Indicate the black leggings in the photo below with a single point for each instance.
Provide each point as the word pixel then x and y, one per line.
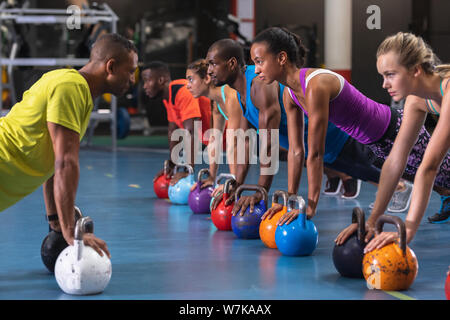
pixel 356 160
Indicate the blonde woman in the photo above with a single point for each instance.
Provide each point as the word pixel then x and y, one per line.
pixel 411 70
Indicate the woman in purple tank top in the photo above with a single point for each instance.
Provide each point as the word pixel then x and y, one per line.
pixel 410 71
pixel 275 52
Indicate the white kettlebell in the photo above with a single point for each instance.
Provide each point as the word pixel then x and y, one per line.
pixel 79 269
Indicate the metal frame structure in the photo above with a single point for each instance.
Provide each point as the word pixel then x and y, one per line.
pixel 27 15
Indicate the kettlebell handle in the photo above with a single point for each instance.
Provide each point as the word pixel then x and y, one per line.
pixel 166 166
pixel 296 199
pixel 222 176
pixel 276 195
pixel 228 183
pixel 82 226
pixel 359 218
pixel 201 172
pixel 395 221
pixel 254 187
pixel 190 169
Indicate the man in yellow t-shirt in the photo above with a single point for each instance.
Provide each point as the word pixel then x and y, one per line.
pixel 40 137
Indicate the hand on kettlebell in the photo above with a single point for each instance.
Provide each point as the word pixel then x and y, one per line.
pixel 288 217
pixel 345 234
pixel 217 190
pixel 89 239
pixel 381 240
pixel 276 207
pixel 216 199
pixel 205 183
pixel 177 176
pixel 245 201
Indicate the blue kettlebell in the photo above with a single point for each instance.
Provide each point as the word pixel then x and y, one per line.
pixel 179 193
pixel 247 225
pixel 199 199
pixel 348 257
pixel 300 237
pixel 221 176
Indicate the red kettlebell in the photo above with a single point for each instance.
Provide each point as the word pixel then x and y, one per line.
pixel 161 184
pixel 221 215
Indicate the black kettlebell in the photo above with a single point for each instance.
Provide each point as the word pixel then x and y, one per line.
pixel 348 257
pixel 53 244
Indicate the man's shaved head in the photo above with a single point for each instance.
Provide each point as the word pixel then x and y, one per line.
pixel 111 46
pixel 229 48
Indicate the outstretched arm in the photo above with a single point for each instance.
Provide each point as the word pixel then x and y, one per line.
pixel 395 164
pixel 66 145
pixel 317 99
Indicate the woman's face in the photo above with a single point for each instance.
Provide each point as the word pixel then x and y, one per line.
pixel 267 66
pixel 196 85
pixel 397 80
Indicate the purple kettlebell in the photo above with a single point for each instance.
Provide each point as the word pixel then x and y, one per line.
pixel 199 199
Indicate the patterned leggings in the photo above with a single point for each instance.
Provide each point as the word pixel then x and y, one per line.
pixel 382 148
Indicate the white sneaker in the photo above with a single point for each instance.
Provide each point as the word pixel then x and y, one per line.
pixel 333 186
pixel 401 199
pixel 352 187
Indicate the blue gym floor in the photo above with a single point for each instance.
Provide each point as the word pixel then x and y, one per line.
pixel 164 251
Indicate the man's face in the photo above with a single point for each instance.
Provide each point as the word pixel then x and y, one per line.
pixel 153 82
pixel 122 75
pixel 218 68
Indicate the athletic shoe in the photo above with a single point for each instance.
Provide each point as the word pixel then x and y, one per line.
pixel 352 187
pixel 333 186
pixel 401 199
pixel 444 212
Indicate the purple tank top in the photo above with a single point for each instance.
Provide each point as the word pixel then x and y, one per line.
pixel 362 118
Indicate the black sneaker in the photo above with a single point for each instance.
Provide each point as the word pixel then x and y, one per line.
pixel 333 186
pixel 444 212
pixel 351 188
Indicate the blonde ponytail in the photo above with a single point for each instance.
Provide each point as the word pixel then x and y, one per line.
pixel 443 70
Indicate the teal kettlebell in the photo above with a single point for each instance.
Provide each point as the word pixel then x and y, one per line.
pixel 179 193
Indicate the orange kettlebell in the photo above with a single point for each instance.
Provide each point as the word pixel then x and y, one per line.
pixel 268 227
pixel 393 267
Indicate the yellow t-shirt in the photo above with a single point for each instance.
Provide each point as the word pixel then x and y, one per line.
pixel 26 152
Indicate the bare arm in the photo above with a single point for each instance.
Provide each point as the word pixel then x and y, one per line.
pixel 215 143
pixel 296 153
pixel 266 100
pixel 269 120
pixel 395 164
pixel 437 149
pixel 234 113
pixel 318 96
pixel 296 156
pixel 189 125
pixel 64 183
pixel 66 145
